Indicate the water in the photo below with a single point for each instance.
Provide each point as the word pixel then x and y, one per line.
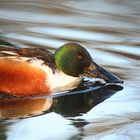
pixel 110 30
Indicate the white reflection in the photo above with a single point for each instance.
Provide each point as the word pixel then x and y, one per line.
pixel 127 49
pixel 116 118
pixel 75 34
pixel 108 58
pixel 47 127
pixel 125 101
pixel 21 15
pixel 35 40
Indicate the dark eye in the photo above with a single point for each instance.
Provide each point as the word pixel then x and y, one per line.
pixel 80 56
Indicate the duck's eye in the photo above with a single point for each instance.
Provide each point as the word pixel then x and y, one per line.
pixel 80 56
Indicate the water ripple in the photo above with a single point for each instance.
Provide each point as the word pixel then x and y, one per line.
pixel 110 30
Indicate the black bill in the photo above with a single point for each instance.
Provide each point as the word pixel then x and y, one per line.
pixel 97 71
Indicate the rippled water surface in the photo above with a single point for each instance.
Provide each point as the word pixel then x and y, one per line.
pixel 110 30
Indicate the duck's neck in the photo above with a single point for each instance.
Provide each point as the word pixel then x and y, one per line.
pixel 59 81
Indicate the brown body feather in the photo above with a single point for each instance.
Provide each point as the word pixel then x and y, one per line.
pixel 19 77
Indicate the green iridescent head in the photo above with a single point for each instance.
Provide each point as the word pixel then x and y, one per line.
pixel 75 60
pixel 72 59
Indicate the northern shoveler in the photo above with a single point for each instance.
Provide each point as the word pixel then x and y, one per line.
pixel 37 71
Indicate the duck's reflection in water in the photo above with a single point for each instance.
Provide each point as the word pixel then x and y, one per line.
pixel 14 108
pixel 67 105
pixel 53 124
pixel 77 104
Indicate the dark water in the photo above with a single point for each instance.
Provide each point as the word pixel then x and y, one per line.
pixel 110 29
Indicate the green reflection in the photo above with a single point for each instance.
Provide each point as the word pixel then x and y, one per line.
pixel 6 43
pixel 3 130
pixel 76 104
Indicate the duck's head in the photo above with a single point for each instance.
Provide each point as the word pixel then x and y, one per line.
pixel 75 60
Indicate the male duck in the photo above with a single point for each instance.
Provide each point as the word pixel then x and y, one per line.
pixel 36 71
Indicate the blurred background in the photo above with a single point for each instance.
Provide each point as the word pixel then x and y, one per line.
pixel 110 30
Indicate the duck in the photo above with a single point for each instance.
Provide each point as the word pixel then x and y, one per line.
pixel 38 71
